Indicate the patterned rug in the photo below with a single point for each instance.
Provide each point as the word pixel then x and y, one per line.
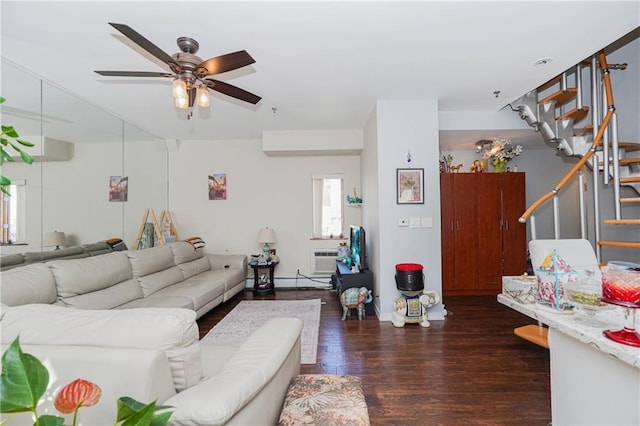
pixel 248 315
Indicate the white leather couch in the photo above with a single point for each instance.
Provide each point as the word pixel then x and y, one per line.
pixel 175 275
pixel 154 353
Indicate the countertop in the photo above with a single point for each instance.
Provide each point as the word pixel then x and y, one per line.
pixel 570 324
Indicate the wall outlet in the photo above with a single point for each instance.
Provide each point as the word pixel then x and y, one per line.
pixel 403 222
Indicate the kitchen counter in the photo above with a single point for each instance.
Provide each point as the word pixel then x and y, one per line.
pixel 594 380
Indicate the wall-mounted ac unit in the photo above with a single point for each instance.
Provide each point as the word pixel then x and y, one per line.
pixel 323 261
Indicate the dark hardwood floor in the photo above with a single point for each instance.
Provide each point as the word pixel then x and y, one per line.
pixel 469 369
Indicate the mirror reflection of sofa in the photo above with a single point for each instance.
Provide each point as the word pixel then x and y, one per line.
pixel 10 261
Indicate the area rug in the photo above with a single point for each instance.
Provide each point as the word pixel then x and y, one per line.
pixel 248 315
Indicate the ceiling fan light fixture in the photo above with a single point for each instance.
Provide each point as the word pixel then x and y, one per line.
pixel 179 88
pixel 203 97
pixel 182 102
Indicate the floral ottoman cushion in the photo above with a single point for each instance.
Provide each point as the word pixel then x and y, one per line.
pixel 325 399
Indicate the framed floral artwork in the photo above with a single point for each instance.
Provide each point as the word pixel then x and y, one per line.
pixel 410 186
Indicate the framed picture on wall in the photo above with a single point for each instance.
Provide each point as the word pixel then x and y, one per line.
pixel 218 186
pixel 410 186
pixel 118 188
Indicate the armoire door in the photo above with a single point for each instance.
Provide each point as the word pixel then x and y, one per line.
pixel 514 235
pixel 490 228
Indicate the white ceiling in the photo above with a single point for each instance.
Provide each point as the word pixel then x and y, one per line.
pixel 321 65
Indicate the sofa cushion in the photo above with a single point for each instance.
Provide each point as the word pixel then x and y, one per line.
pixel 80 276
pixel 107 298
pixel 185 252
pixel 173 331
pixel 159 280
pixel 148 261
pixel 194 267
pixel 95 249
pixel 200 291
pixel 157 300
pixel 28 284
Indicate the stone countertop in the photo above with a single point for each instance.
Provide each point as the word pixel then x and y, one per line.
pixel 570 324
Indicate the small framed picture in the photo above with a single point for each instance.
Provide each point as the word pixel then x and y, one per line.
pixel 218 186
pixel 410 186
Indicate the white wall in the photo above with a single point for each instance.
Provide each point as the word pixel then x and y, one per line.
pixel 262 191
pixel 404 126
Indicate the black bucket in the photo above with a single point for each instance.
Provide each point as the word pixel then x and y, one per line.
pixel 409 277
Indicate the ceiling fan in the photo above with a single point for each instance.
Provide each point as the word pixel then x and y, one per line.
pixel 188 71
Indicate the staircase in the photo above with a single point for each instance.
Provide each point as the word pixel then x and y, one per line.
pixel 576 128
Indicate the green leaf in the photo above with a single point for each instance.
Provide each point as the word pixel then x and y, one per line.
pixel 2 100
pixel 161 419
pixel 5 181
pixel 25 143
pixel 49 420
pixel 142 417
pixel 23 380
pixel 10 131
pixel 26 157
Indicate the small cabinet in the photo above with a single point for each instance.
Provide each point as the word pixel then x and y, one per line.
pixel 346 279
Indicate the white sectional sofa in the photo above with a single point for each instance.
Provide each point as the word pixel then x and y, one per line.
pixel 127 322
pixel 176 275
pixel 154 354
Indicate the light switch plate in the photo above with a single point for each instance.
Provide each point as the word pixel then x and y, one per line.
pixel 414 222
pixel 427 222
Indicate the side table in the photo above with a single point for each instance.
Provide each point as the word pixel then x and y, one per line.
pixel 263 287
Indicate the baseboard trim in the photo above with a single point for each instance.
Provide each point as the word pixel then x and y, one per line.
pixel 323 283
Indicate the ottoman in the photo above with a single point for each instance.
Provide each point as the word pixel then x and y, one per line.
pixel 324 399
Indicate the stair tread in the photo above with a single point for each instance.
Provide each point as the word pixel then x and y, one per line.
pixel 630 179
pixel 534 334
pixel 623 161
pixel 560 97
pixel 625 244
pixel 577 114
pixel 622 221
pixel 584 130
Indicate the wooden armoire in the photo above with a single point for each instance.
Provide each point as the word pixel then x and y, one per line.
pixel 482 239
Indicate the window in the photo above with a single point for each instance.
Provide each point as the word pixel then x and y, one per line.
pixel 328 208
pixel 9 213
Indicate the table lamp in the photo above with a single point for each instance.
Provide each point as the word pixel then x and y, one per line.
pixel 266 236
pixel 55 238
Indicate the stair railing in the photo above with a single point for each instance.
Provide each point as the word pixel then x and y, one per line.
pixel 606 79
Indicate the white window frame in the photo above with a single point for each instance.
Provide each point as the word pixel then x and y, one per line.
pixel 319 210
pixel 12 212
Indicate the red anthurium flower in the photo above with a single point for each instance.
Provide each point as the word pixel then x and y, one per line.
pixel 79 393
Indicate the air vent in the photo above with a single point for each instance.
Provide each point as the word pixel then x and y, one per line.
pixel 323 261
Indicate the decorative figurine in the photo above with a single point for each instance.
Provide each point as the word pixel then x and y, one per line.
pixel 477 166
pixel 355 298
pixel 412 307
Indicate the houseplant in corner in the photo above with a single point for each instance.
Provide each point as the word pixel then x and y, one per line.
pixel 10 138
pixel 24 380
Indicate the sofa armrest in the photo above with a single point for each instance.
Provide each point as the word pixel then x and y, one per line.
pixel 227 261
pixel 261 368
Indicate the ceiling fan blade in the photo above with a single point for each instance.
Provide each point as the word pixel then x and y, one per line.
pixel 224 63
pixel 138 39
pixel 133 74
pixel 233 91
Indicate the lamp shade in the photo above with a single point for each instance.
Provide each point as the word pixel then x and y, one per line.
pixel 266 235
pixel 55 238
